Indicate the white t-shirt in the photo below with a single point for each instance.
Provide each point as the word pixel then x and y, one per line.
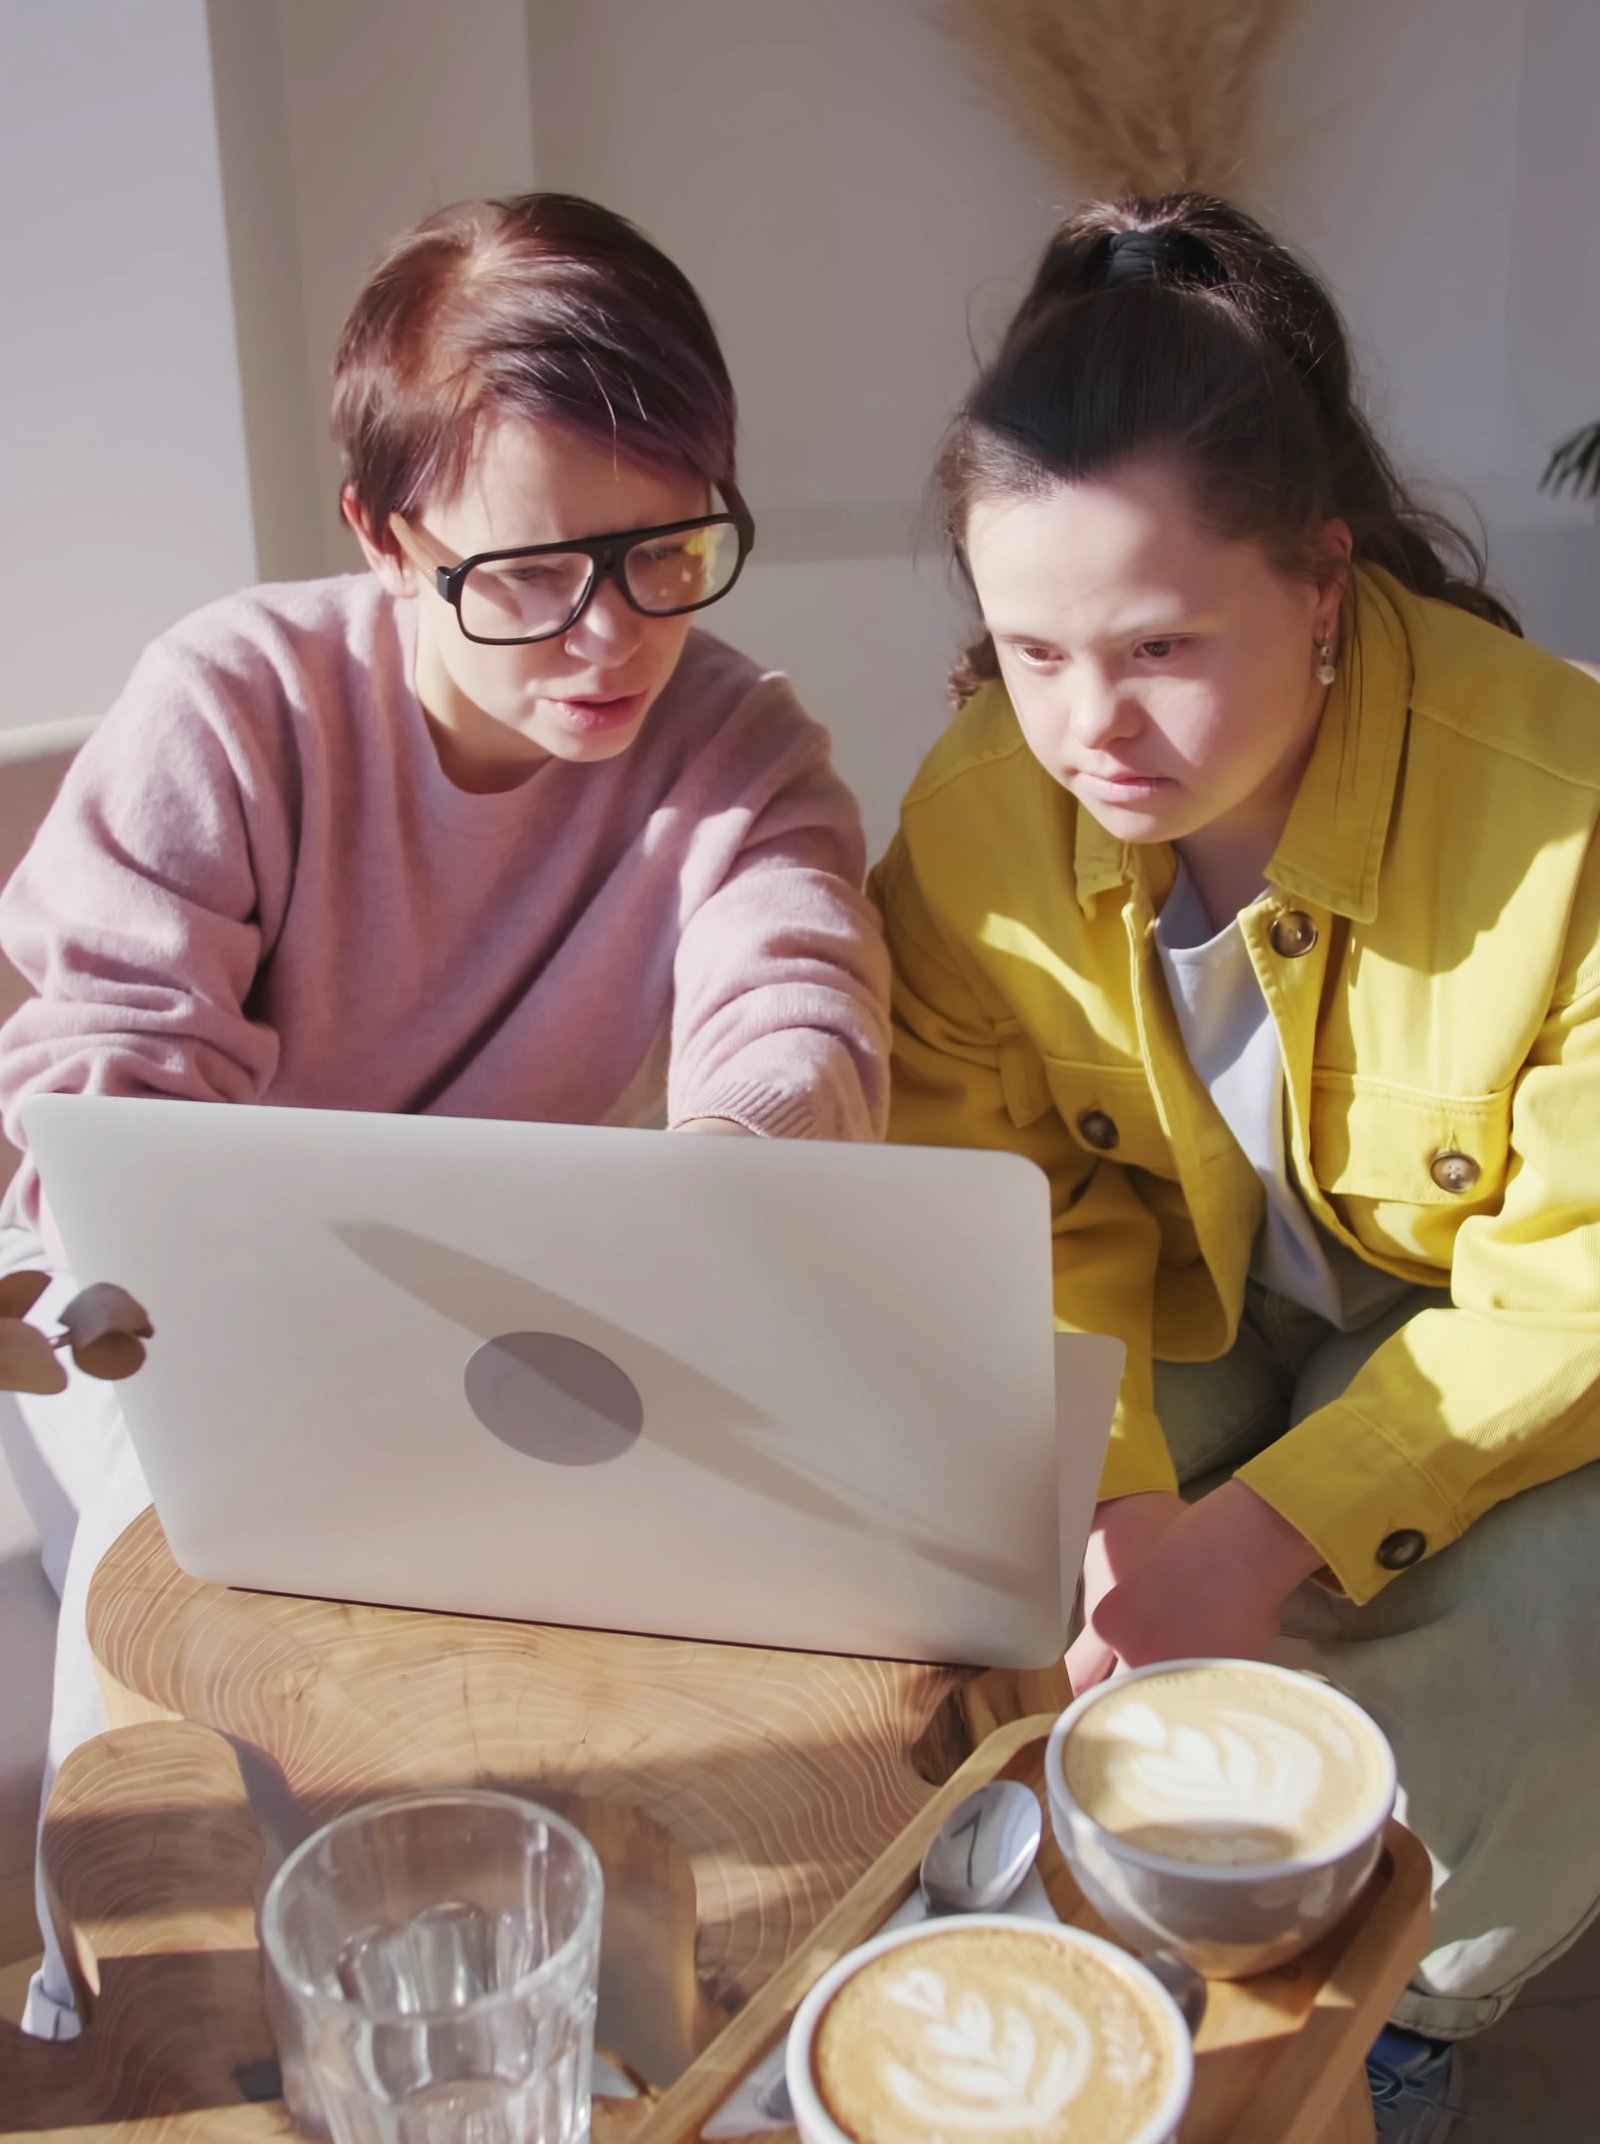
pixel 1233 1045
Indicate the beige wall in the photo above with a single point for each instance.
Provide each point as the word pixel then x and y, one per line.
pixel 393 108
pixel 342 122
pixel 853 210
pixel 265 274
pixel 857 213
pixel 122 452
pixel 848 202
pixel 859 216
pixel 1440 161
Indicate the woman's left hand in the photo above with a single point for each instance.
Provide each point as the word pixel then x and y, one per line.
pixel 1213 1586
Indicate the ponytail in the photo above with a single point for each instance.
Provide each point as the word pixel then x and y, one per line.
pixel 1177 326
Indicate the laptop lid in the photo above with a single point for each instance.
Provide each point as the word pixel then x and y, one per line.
pixel 774 1393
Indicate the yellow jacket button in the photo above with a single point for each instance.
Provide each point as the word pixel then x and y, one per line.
pixel 1292 933
pixel 1454 1172
pixel 1098 1130
pixel 1398 1551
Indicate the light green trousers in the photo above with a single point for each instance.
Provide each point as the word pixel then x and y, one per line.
pixel 1482 1666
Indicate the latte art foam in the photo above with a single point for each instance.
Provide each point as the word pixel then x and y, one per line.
pixel 984 2033
pixel 1220 1765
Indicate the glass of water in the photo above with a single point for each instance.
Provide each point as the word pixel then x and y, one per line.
pixel 432 1964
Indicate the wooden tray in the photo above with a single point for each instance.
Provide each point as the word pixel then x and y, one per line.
pixel 158 1863
pixel 1278 2059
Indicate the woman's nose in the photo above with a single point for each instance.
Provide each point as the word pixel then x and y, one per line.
pixel 608 630
pixel 1099 710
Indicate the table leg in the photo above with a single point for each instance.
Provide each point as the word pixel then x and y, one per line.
pixel 153 1861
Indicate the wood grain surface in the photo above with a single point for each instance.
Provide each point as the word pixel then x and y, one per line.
pixel 157 1863
pixel 1278 2058
pixel 154 1860
pixel 737 1798
pixel 769 1780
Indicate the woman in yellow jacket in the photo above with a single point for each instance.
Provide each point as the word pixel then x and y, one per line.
pixel 1255 895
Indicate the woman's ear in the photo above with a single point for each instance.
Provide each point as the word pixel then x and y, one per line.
pixel 1336 545
pixel 378 547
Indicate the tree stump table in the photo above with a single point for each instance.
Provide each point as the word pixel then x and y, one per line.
pixel 734 1795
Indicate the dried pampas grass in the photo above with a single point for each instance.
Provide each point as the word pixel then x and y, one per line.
pixel 1130 96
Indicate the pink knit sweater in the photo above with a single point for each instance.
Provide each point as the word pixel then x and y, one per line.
pixel 258 885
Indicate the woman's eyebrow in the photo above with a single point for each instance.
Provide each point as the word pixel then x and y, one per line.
pixel 1151 625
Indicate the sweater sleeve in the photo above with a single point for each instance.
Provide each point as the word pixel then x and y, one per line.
pixel 780 981
pixel 137 913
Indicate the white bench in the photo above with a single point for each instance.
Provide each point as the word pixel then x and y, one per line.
pixel 32 762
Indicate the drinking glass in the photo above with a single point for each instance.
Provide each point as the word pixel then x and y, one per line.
pixel 432 1964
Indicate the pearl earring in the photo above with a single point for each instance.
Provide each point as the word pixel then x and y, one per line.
pixel 1326 672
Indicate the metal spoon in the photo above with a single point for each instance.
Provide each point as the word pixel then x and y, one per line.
pixel 978 1857
pixel 975 1862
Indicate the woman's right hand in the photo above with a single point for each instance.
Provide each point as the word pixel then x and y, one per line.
pixel 1208 1580
pixel 1125 1531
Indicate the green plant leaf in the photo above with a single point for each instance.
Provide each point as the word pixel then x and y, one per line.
pixel 1575 464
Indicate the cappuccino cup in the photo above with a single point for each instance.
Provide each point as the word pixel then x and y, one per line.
pixel 1226 1811
pixel 986 2027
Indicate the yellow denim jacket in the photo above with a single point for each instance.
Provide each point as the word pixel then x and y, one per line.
pixel 1429 948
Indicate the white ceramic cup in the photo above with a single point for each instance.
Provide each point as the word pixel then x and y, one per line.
pixel 817 2126
pixel 1227 1921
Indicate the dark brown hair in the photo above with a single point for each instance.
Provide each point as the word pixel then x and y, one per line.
pixel 1177 326
pixel 545 307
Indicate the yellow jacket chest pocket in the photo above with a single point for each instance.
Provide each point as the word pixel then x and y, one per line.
pixel 1108 1110
pixel 1404 1169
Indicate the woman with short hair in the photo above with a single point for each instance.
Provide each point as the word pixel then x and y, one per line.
pixel 488 830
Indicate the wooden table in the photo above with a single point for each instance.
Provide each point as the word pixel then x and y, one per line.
pixel 734 1795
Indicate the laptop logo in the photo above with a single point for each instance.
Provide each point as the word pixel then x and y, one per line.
pixel 554 1398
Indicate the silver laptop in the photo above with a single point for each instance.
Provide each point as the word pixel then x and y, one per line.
pixel 782 1394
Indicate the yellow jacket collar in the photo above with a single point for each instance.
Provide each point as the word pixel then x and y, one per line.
pixel 1332 846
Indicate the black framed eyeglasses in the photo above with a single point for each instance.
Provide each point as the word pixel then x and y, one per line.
pixel 541 590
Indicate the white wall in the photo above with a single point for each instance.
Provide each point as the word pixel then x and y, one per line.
pixel 829 176
pixel 122 455
pixel 266 277
pixel 392 108
pixel 1440 162
pixel 859 215
pixel 856 213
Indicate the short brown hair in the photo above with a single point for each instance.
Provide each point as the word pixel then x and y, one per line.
pixel 546 307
